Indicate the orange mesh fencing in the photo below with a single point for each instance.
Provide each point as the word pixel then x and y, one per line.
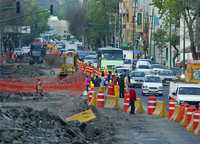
pixel 71 83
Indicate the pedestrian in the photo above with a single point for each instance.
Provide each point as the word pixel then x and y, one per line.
pixel 109 77
pixel 121 85
pixel 87 83
pixel 97 83
pixel 133 96
pixel 39 87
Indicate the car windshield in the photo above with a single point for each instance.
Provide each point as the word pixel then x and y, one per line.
pixel 144 67
pixel 157 66
pixel 189 91
pixel 166 73
pixel 152 79
pixel 137 74
pixel 112 55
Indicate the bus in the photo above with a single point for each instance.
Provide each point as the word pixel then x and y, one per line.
pixel 110 58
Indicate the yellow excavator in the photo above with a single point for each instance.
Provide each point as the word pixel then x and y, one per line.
pixel 69 65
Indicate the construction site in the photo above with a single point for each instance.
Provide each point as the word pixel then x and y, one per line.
pixel 63 114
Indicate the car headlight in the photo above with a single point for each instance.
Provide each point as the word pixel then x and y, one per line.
pixel 161 87
pixel 182 76
pixel 133 81
pixel 144 87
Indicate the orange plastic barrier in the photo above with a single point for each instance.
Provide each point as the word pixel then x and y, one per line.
pixel 151 104
pixel 126 101
pixel 189 114
pixel 100 99
pixel 172 105
pixel 90 94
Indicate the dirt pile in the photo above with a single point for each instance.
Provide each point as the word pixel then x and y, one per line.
pixel 19 71
pixel 20 96
pixel 24 125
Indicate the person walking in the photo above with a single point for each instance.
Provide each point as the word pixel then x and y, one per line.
pixel 133 96
pixel 87 83
pixel 121 85
pixel 39 87
pixel 97 83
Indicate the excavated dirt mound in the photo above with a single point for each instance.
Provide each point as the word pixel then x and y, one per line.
pixel 20 96
pixel 19 71
pixel 23 125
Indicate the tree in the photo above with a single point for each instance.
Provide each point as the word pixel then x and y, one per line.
pixel 173 10
pixel 100 21
pixel 160 39
pixel 37 18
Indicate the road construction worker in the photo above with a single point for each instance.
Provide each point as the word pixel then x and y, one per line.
pixel 133 96
pixel 39 88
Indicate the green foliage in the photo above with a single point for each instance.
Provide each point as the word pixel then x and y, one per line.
pixel 100 19
pixel 160 38
pixel 172 10
pixel 37 18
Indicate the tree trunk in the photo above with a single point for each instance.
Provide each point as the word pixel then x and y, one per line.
pixel 192 42
pixel 176 55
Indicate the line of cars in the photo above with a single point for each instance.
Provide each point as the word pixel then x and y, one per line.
pixel 151 78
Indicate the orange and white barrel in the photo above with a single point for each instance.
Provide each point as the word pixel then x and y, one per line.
pixel 189 114
pixel 172 105
pixel 196 119
pixel 151 104
pixel 126 101
pixel 100 100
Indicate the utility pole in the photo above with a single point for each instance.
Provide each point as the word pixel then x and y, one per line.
pixel 151 35
pixel 134 24
pixel 184 45
pixel 170 42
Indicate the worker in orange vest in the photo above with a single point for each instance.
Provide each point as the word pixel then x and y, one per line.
pixel 39 88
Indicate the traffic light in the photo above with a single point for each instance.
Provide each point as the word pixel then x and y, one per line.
pixel 17 7
pixel 51 9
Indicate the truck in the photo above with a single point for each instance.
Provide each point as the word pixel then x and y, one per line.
pixel 128 59
pixel 192 73
pixel 37 51
pixel 185 92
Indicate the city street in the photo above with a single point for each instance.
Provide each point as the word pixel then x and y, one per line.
pixel 64 65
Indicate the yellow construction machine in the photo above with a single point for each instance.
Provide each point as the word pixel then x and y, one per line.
pixel 69 65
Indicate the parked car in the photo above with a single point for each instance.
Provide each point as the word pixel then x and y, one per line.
pixel 166 76
pixel 152 85
pixel 136 78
